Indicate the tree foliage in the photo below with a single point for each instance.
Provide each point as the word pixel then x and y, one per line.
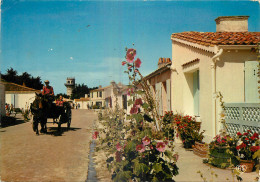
pixel 80 91
pixel 23 79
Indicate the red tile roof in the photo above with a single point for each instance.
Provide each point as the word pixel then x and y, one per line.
pixel 219 38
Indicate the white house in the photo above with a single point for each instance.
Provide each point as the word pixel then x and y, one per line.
pixel 19 96
pixel 2 99
pixel 205 63
pixel 160 83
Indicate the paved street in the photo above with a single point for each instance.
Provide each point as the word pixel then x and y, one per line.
pixel 48 157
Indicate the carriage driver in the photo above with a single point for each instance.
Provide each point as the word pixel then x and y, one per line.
pixel 47 89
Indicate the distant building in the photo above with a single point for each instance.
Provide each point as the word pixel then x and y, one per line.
pixel 96 97
pixel 160 83
pixel 70 84
pixel 208 62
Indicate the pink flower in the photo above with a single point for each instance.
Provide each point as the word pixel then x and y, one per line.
pixel 130 55
pixel 146 140
pixel 134 110
pixel 123 63
pixel 129 67
pixel 95 135
pixel 151 147
pixel 118 147
pixel 130 91
pixel 138 63
pixel 160 146
pixel 140 148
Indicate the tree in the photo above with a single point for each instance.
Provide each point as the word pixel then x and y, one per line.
pixel 24 78
pixel 80 91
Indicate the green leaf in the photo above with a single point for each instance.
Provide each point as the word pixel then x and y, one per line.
pixel 130 102
pixel 168 154
pixel 157 167
pixel 140 168
pixel 138 117
pixel 256 154
pixel 145 106
pixel 139 92
pixel 155 179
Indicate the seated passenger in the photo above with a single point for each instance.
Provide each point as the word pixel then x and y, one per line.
pixel 59 102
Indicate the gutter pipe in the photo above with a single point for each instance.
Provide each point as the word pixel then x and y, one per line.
pixel 214 59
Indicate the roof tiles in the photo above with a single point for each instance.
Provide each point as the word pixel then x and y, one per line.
pixel 219 38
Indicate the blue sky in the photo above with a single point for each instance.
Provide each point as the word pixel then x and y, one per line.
pixel 87 39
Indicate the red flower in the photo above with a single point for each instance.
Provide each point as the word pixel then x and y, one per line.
pixel 95 135
pixel 255 148
pixel 243 145
pixel 151 147
pixel 146 140
pixel 138 102
pixel 223 141
pixel 123 63
pixel 140 148
pixel 246 139
pixel 252 138
pixel 138 63
pixel 255 135
pixel 249 131
pixel 166 142
pixel 130 55
pixel 134 110
pixel 245 134
pixel 178 122
pixel 238 147
pixel 129 67
pixel 239 134
pixel 160 146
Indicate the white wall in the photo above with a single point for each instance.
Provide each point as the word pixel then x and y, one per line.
pixel 2 99
pixel 22 100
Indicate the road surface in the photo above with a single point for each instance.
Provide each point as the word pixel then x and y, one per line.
pixel 55 156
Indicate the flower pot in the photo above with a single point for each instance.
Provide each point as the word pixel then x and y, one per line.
pixel 200 149
pixel 249 165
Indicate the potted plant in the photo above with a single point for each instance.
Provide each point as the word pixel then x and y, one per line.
pixel 222 152
pixel 248 144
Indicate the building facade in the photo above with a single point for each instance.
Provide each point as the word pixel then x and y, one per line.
pixel 2 99
pixel 206 63
pixel 70 85
pixel 160 84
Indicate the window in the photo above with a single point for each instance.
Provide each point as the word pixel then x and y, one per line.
pixel 92 95
pixel 97 94
pixel 196 92
pixel 100 94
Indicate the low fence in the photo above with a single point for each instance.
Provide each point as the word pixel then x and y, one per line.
pixel 241 117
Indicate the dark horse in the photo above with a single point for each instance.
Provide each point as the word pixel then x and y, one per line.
pixel 42 108
pixel 39 110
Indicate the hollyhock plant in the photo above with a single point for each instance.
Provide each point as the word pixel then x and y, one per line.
pixel 95 135
pixel 130 91
pixel 146 140
pixel 138 102
pixel 130 55
pixel 137 63
pixel 160 146
pixel 134 110
pixel 140 148
pixel 123 63
pixel 118 147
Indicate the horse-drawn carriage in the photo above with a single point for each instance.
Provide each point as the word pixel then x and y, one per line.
pixel 43 108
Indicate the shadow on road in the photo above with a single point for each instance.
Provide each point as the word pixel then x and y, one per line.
pixel 56 132
pixel 12 122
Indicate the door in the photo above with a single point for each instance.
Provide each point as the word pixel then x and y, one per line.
pixel 251 79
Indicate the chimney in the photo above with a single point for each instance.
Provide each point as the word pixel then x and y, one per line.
pixel 163 61
pixel 232 24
